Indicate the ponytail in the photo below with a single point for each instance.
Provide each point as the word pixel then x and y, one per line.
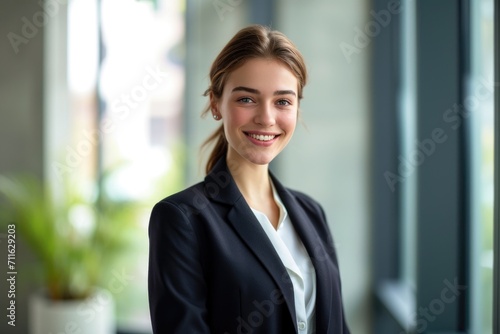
pixel 219 150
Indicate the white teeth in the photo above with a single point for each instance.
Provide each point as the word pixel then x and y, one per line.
pixel 262 137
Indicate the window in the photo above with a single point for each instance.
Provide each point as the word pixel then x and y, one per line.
pixel 433 87
pixel 141 87
pixel 482 137
pixel 407 110
pixel 126 86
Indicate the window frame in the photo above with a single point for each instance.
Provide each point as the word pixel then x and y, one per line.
pixel 442 33
pixel 496 262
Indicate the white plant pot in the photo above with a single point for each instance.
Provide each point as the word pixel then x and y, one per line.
pixel 94 315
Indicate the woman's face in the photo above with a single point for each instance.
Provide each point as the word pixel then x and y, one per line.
pixel 258 106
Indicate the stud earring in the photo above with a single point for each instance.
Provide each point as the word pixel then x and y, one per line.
pixel 216 117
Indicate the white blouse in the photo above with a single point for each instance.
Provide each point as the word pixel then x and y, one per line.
pixel 297 262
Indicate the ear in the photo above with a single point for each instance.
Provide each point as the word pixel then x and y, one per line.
pixel 214 103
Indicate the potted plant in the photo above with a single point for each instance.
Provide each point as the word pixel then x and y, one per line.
pixel 76 241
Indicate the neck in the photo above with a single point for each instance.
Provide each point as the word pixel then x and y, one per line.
pixel 252 180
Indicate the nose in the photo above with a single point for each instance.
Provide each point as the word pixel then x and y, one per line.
pixel 265 115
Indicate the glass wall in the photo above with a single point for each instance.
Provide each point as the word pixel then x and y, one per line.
pixel 436 94
pixel 407 116
pixel 480 100
pixel 126 89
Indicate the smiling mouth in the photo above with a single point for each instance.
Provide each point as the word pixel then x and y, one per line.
pixel 261 137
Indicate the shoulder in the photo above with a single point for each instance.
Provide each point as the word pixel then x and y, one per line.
pixel 186 202
pixel 307 202
pixel 299 195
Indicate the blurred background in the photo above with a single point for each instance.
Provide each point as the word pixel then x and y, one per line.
pixel 100 100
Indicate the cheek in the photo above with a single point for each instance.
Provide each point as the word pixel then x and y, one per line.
pixel 231 125
pixel 289 121
pixel 236 118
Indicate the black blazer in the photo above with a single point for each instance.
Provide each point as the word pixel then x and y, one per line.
pixel 212 268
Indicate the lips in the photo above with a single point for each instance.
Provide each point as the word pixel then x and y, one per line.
pixel 264 139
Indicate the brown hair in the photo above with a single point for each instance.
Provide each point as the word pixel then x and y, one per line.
pixel 254 41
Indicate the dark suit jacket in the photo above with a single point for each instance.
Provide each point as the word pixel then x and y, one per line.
pixel 212 268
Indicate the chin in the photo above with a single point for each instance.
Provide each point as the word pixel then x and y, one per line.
pixel 260 160
pixel 261 163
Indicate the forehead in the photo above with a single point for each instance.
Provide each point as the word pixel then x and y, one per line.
pixel 265 75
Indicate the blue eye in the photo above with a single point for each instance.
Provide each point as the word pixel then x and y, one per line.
pixel 283 102
pixel 245 100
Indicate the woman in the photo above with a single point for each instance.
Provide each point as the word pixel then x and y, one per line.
pixel 239 252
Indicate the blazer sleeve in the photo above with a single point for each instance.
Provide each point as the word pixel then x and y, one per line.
pixel 176 286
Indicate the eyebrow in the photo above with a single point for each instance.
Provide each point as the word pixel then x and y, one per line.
pixel 255 91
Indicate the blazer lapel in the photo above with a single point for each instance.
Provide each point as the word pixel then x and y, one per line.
pixel 220 186
pixel 245 224
pixel 317 253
